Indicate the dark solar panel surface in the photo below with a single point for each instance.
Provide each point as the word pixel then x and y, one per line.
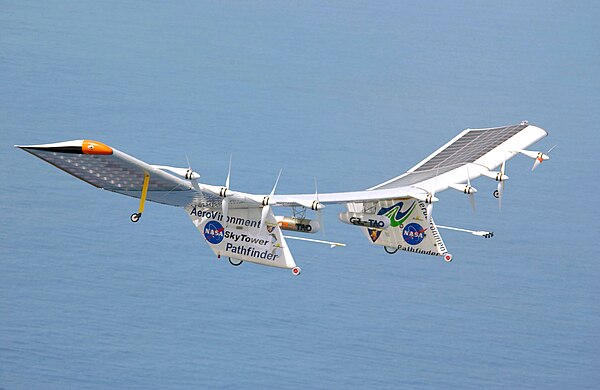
pixel 467 149
pixel 471 146
pixel 106 172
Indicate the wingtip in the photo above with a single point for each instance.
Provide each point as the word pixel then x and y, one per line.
pixel 76 146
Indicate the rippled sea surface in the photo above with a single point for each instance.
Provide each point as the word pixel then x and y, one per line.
pixel 351 93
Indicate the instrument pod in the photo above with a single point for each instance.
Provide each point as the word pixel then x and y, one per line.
pixel 302 225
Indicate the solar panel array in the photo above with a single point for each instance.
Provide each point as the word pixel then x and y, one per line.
pixel 105 172
pixel 472 145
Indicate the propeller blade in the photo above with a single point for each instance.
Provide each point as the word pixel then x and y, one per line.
pixel 431 196
pixel 195 184
pixel 225 209
pixel 501 183
pixel 318 211
pixel 472 202
pixel 468 177
pixel 228 172
pixel 536 162
pixel 435 183
pixel 191 175
pixel 472 194
pixel 500 192
pixel 276 181
pixel 264 214
pixel 429 211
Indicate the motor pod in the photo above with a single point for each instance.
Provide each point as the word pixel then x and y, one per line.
pixel 371 221
pixel 302 225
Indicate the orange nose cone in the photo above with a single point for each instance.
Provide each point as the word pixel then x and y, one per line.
pixel 95 147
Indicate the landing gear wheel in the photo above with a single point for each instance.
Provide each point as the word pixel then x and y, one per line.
pixel 235 264
pixel 390 250
pixel 296 271
pixel 448 257
pixel 496 194
pixel 135 217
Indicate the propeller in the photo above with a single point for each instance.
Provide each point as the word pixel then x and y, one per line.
pixel 467 189
pixel 225 210
pixel 500 179
pixel 191 175
pixel 538 157
pixel 318 207
pixel 470 190
pixel 266 203
pixel 228 172
pixel 224 190
pixel 430 198
pixel 541 157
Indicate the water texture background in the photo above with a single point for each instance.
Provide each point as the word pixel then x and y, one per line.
pixel 351 93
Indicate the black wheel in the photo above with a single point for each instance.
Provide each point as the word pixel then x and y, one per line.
pixel 496 194
pixel 235 264
pixel 390 250
pixel 135 217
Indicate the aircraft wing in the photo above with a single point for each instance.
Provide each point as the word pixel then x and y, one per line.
pixel 471 154
pixel 112 170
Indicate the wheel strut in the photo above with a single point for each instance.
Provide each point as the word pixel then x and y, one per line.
pixel 136 216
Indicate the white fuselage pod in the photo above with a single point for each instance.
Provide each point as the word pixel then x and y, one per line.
pixel 301 225
pixel 240 236
pixel 371 221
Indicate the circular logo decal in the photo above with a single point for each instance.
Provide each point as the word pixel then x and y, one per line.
pixel 413 233
pixel 213 232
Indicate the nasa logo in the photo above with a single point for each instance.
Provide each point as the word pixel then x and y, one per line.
pixel 413 233
pixel 213 232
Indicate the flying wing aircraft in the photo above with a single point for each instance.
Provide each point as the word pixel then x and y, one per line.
pixel 396 214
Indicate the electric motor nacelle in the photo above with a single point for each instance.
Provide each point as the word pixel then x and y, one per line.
pixel 301 225
pixel 371 221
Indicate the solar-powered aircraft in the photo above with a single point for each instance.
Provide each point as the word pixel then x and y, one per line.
pixel 396 214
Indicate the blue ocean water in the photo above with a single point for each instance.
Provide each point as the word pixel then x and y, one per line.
pixel 351 93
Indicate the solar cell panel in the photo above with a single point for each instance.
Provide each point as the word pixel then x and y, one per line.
pixel 471 145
